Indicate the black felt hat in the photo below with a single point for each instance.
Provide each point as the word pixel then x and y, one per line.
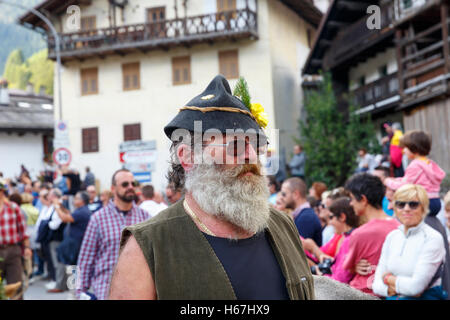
pixel 217 108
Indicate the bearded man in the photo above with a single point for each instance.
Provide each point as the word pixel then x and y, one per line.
pixel 222 240
pixel 100 247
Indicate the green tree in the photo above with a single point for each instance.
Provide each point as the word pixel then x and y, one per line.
pixel 330 138
pixel 41 69
pixel 16 71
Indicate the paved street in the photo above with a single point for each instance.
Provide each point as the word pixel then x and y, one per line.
pixel 37 291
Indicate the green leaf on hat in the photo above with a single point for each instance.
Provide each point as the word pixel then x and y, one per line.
pixel 241 91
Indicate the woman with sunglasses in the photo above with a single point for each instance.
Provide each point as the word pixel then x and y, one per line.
pixel 412 255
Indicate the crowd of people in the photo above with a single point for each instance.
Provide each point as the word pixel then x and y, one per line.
pixel 217 230
pixel 49 217
pixel 384 233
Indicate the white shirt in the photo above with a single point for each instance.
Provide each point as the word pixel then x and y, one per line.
pixel 413 258
pixel 46 212
pixel 152 207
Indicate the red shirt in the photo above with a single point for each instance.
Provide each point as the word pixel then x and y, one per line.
pixel 12 224
pixel 366 243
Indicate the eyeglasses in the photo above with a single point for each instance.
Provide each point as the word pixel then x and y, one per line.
pixel 412 204
pixel 125 184
pixel 236 147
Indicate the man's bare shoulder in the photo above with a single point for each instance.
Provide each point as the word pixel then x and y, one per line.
pixel 132 278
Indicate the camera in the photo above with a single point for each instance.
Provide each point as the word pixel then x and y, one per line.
pixel 324 267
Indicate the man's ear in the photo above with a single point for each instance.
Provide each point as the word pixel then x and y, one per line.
pixel 364 200
pixel 185 156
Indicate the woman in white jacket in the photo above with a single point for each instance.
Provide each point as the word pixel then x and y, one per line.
pixel 412 255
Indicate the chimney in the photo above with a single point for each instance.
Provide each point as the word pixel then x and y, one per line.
pixel 30 88
pixel 4 94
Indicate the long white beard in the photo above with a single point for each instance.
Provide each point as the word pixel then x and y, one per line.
pixel 241 200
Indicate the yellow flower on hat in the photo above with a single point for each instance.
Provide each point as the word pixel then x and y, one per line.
pixel 261 117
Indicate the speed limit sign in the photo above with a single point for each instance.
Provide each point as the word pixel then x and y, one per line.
pixel 62 156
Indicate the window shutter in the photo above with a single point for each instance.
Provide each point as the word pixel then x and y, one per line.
pixel 181 70
pixel 132 132
pixel 131 76
pixel 228 64
pixel 89 81
pixel 89 140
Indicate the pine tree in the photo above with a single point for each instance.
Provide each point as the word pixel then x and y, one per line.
pixel 331 140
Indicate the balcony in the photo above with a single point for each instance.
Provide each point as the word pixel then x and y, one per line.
pixel 164 34
pixel 406 9
pixel 357 42
pixel 377 95
pixel 424 64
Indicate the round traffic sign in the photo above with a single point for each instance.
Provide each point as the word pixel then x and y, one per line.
pixel 62 156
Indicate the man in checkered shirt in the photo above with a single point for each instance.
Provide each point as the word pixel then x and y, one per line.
pixel 100 247
pixel 13 240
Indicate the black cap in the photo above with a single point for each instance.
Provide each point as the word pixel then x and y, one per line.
pixel 217 108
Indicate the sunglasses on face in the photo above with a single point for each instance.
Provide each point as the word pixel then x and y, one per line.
pixel 125 184
pixel 412 204
pixel 236 147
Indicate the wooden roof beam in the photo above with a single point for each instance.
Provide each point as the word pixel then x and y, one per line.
pixel 350 5
pixel 337 24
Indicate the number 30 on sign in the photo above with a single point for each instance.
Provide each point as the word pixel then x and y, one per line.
pixel 62 156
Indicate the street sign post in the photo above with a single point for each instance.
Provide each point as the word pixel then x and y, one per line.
pixel 62 157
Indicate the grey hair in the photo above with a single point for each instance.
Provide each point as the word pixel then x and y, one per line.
pixel 176 174
pixel 56 192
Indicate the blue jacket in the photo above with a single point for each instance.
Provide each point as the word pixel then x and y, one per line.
pixel 308 225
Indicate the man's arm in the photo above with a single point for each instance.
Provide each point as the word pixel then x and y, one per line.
pixel 88 255
pixel 132 279
pixel 63 213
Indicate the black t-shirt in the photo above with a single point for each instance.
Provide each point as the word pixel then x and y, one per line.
pixel 251 266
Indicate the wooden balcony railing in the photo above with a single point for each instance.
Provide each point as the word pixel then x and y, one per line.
pixel 377 91
pixel 425 67
pixel 161 34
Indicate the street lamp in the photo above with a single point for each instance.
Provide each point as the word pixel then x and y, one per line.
pixel 57 46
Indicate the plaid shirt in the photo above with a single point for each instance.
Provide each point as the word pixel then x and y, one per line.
pixel 100 247
pixel 12 224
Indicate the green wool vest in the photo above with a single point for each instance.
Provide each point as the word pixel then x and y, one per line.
pixel 185 267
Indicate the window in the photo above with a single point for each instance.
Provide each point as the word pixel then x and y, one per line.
pixel 87 23
pixel 225 5
pixel 131 79
pixel 154 15
pixel 89 138
pixel 362 81
pixel 132 132
pixel 89 81
pixel 181 70
pixel 228 64
pixel 382 71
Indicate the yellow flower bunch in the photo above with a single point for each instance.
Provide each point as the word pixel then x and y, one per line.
pixel 261 117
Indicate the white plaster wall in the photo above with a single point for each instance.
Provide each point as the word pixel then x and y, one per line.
pixel 289 51
pixel 16 150
pixel 369 68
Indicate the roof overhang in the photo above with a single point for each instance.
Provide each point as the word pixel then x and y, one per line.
pixel 306 10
